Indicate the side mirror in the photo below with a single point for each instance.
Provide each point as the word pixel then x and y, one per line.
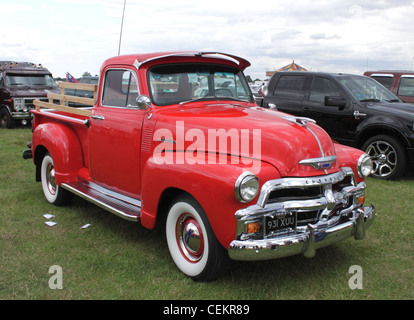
pixel 144 103
pixel 335 102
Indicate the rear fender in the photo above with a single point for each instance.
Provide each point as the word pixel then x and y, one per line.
pixel 64 146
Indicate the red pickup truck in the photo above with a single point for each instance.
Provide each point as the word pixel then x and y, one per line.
pixel 177 137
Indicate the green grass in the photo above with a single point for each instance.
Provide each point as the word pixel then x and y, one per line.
pixel 117 259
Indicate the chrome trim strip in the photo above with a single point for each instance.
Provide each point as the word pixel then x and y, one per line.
pixel 317 139
pixel 51 113
pixel 119 213
pixel 112 194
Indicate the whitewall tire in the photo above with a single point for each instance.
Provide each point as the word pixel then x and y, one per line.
pixel 192 243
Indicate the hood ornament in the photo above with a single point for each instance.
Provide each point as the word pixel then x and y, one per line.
pixel 302 121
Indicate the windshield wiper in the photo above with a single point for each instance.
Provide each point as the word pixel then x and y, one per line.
pixel 394 100
pixel 213 98
pixel 196 99
pixel 236 99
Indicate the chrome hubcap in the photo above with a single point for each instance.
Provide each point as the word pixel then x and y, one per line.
pixel 384 158
pixel 50 176
pixel 190 237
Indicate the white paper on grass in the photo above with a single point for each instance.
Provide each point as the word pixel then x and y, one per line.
pixel 48 216
pixel 85 226
pixel 50 223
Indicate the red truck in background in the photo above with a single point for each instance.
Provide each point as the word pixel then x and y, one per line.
pixel 178 136
pixel 399 82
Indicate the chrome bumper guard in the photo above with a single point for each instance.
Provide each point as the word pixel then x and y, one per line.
pixel 350 222
pixel 22 115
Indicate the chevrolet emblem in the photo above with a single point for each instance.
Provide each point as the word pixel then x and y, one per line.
pixel 322 163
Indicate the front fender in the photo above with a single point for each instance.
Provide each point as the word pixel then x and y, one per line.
pixel 64 146
pixel 382 123
pixel 211 184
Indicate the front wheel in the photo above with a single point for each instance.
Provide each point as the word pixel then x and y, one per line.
pixel 388 156
pixel 192 243
pixel 6 120
pixel 53 193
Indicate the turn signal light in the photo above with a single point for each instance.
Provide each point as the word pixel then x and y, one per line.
pixel 253 227
pixel 361 200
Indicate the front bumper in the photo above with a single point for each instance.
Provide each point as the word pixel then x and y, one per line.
pixel 336 205
pixel 305 242
pixel 22 115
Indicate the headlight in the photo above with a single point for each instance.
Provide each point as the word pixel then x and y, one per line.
pixel 18 104
pixel 246 187
pixel 365 166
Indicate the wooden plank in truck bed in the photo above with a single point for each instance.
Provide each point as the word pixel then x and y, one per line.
pixel 69 98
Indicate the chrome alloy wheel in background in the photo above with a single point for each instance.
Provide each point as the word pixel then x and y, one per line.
pixel 388 156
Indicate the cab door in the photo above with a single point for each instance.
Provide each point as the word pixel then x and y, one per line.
pixel 114 138
pixel 287 93
pixel 327 103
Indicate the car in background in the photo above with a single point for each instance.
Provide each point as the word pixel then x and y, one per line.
pixel 20 84
pixel 258 93
pixel 355 110
pixel 82 93
pixel 401 83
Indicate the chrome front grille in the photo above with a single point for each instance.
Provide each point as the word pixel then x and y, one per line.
pixel 28 102
pixel 295 193
pixel 313 200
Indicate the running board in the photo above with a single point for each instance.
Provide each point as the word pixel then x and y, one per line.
pixel 120 205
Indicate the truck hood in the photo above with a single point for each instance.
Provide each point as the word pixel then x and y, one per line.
pixel 401 109
pixel 31 92
pixel 245 133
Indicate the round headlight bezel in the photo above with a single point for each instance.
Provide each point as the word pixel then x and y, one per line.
pixel 246 187
pixel 365 166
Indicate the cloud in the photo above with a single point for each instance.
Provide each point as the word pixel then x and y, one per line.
pixel 335 35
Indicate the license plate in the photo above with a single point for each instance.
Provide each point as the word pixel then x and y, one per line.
pixel 280 222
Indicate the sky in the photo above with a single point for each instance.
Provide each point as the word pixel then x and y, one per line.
pixel 347 36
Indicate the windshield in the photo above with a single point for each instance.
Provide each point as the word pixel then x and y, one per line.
pixel 30 80
pixel 172 84
pixel 367 89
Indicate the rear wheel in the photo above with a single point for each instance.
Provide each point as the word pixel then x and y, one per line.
pixel 192 243
pixel 53 193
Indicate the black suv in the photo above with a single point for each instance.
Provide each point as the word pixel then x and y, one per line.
pixel 20 84
pixel 355 110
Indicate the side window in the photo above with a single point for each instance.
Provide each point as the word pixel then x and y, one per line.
pixel 322 87
pixel 120 89
pixel 406 87
pixel 384 80
pixel 289 87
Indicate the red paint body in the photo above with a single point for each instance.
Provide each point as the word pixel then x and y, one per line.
pixel 119 153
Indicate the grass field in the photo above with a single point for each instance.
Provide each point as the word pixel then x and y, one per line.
pixel 117 259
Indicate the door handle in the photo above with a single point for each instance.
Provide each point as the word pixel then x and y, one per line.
pixel 98 117
pixel 358 115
